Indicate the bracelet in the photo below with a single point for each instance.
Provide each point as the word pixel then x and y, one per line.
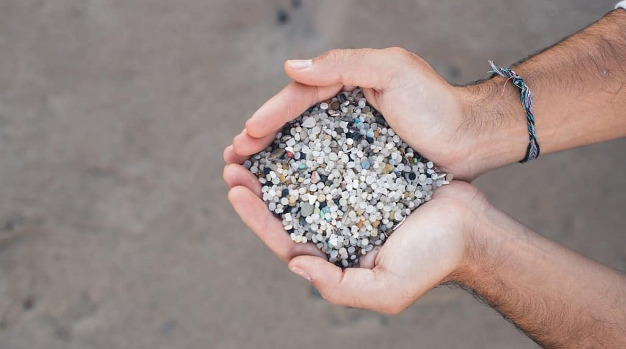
pixel 526 97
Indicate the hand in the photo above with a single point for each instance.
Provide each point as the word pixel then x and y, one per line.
pixel 428 113
pixel 429 248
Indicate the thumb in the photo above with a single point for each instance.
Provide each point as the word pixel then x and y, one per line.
pixel 367 68
pixel 374 289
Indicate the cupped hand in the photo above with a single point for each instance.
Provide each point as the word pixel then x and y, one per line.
pixel 426 111
pixel 432 246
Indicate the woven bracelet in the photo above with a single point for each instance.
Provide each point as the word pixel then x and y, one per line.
pixel 526 97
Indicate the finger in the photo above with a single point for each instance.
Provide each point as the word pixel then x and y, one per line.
pixel 246 145
pixel 371 95
pixel 368 261
pixel 259 219
pixel 368 68
pixel 355 287
pixel 231 157
pixel 236 175
pixel 286 105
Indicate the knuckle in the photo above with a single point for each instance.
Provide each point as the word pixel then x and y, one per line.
pixel 333 56
pixel 402 54
pixel 398 51
pixel 361 52
pixel 339 56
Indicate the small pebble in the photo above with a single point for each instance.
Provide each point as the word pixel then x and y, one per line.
pixel 309 122
pixel 306 209
pixel 338 176
pixel 365 164
pixel 276 153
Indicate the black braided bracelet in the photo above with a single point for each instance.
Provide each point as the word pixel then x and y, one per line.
pixel 526 97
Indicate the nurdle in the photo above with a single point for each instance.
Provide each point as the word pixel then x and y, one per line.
pixel 339 177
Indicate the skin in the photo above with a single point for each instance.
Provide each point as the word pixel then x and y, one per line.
pixel 557 297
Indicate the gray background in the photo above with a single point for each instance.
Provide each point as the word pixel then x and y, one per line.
pixel 114 226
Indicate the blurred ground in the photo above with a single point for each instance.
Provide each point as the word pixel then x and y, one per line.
pixel 115 228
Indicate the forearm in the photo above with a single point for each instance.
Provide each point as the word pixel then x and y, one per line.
pixel 559 298
pixel 579 88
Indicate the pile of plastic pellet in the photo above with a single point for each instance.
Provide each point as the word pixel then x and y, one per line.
pixel 339 177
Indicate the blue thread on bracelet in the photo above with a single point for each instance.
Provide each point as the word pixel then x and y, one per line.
pixel 526 97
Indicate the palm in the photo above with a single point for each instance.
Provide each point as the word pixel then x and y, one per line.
pixel 428 246
pixel 420 254
pixel 424 250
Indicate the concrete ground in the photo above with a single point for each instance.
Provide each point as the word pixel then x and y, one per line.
pixel 114 226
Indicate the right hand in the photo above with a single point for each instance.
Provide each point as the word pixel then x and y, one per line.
pixel 436 244
pixel 427 112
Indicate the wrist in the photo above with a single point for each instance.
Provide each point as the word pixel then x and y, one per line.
pixel 494 117
pixel 479 231
pixel 496 245
pixel 485 236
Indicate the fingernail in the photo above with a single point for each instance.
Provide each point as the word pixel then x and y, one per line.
pixel 301 273
pixel 300 64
